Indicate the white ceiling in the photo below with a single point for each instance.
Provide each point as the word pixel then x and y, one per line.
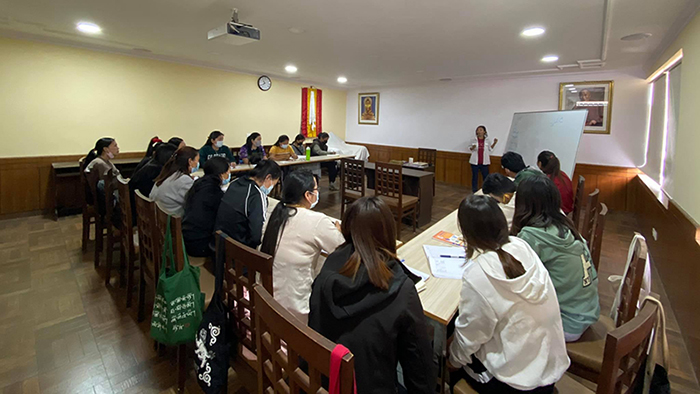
pixel 371 42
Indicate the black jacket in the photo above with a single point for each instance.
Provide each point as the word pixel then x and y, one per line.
pixel 381 328
pixel 142 180
pixel 201 205
pixel 319 148
pixel 242 212
pixel 142 163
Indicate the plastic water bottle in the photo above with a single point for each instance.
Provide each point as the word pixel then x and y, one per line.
pixel 308 154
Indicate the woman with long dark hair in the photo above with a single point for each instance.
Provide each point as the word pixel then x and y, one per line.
pixel 214 147
pixel 252 152
pixel 281 149
pixel 480 147
pixel 99 160
pixel 243 209
pixel 540 222
pixel 365 299
pixel 201 204
pixel 153 143
pixel 508 334
pixel 548 163
pixel 177 142
pixel 295 235
pixel 175 181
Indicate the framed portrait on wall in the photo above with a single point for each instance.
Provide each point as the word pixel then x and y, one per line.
pixel 595 96
pixel 368 108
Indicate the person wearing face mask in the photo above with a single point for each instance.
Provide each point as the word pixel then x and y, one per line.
pixel 295 236
pixel 174 181
pixel 99 160
pixel 201 204
pixel 214 147
pixel 252 152
pixel 282 150
pixel 320 148
pixel 243 208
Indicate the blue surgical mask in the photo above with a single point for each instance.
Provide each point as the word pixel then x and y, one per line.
pixel 226 181
pixel 219 144
pixel 285 146
pixel 318 198
pixel 266 190
pixel 195 169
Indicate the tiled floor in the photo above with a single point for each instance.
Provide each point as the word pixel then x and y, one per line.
pixel 63 331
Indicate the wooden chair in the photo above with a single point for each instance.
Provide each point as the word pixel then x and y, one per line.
pixel 112 232
pixel 149 249
pixel 352 182
pixel 279 371
pixel 586 354
pixel 389 187
pixel 578 201
pixel 590 217
pixel 597 243
pixel 428 156
pixel 243 267
pixel 89 209
pixel 624 355
pixel 129 239
pixel 91 188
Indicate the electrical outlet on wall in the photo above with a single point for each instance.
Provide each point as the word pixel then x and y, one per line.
pixel 655 234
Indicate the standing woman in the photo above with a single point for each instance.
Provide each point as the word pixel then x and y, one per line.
pixel 366 300
pixel 252 152
pixel 548 162
pixel 295 236
pixel 508 333
pixel 243 209
pixel 281 150
pixel 214 147
pixel 174 181
pixel 480 159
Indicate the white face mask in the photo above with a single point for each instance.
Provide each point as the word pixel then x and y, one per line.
pixel 285 146
pixel 258 143
pixel 318 198
pixel 219 144
pixel 110 155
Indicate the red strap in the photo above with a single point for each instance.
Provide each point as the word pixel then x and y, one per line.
pixel 336 358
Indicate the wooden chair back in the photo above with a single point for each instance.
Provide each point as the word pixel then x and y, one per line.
pixel 108 179
pixel 85 195
pixel 597 243
pixel 176 233
pixel 149 248
pixel 281 373
pixel 389 181
pixel 632 282
pixel 352 176
pixel 427 156
pixel 127 230
pixel 243 267
pixel 578 201
pixel 626 353
pixel 590 218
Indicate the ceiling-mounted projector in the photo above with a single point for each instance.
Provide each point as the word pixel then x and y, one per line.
pixel 234 32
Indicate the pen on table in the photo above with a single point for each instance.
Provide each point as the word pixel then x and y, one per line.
pixel 446 256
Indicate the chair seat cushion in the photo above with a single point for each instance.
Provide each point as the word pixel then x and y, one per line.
pixel 394 202
pixel 351 194
pixel 206 285
pixel 588 351
pixel 570 384
pixel 197 261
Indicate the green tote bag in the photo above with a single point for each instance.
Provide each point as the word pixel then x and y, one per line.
pixel 177 309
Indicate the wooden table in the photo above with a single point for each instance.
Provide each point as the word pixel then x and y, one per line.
pixel 417 183
pixel 317 160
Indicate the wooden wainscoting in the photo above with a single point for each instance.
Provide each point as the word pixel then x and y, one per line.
pixel 26 183
pixel 453 167
pixel 676 255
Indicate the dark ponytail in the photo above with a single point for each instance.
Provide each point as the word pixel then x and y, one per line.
pixel 296 184
pixel 100 146
pixel 550 164
pixel 179 162
pixel 485 229
pixel 212 136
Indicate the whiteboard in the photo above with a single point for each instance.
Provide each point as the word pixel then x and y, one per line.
pixel 556 131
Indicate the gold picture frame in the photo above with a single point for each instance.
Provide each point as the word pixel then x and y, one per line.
pixel 596 96
pixel 368 108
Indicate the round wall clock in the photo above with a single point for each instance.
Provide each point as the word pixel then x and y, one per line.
pixel 264 83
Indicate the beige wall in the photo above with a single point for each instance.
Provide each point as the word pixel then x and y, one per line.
pixel 58 100
pixel 686 166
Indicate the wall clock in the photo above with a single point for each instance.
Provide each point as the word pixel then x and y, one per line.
pixel 264 83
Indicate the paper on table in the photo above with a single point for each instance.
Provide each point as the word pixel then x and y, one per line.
pixel 440 267
pixel 418 273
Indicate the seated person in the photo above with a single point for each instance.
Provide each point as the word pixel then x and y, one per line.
pixel 298 145
pixel 281 150
pixel 540 222
pixel 98 163
pixel 174 181
pixel 366 300
pixel 320 148
pixel 508 334
pixel 243 208
pixel 214 147
pixel 295 235
pixel 252 152
pixel 177 142
pixel 144 179
pixel 501 189
pixel 153 143
pixel 201 204
pixel 549 165
pixel 515 167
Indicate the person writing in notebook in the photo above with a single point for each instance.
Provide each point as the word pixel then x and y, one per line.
pixel 281 150
pixel 480 146
pixel 549 164
pixel 515 167
pixel 501 189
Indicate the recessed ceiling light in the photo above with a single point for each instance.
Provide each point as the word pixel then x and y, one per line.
pixel 569 85
pixel 290 68
pixel 88 27
pixel 550 58
pixel 296 30
pixel 342 79
pixel 636 37
pixel 532 32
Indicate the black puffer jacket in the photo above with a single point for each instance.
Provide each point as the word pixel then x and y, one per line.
pixel 201 205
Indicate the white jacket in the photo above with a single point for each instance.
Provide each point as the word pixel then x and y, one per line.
pixel 474 159
pixel 170 195
pixel 513 326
